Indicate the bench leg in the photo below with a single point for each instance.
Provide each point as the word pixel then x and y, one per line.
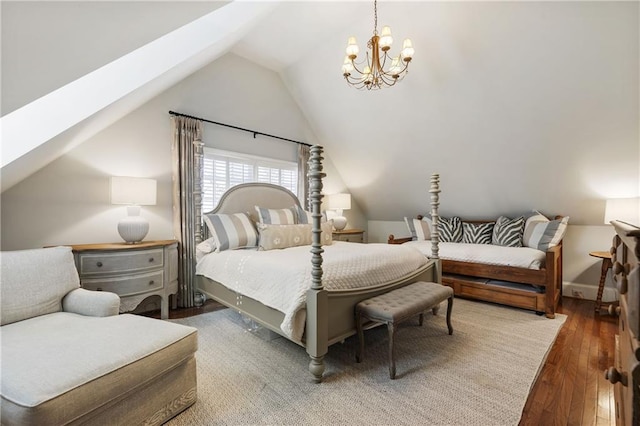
pixel 435 309
pixel 392 360
pixel 360 348
pixel 449 308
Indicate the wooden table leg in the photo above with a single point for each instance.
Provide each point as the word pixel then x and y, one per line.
pixel 606 264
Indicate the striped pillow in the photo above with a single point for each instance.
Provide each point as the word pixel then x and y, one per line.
pixel 531 220
pixel 277 216
pixel 508 232
pixel 477 233
pixel 450 230
pixel 231 231
pixel 419 229
pixel 545 235
pixel 304 216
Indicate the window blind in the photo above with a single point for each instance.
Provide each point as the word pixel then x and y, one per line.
pixel 223 170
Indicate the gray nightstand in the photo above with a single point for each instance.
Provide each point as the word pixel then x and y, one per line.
pixel 349 235
pixel 133 271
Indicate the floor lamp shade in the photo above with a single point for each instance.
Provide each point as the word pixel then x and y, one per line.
pixel 623 209
pixel 134 192
pixel 339 202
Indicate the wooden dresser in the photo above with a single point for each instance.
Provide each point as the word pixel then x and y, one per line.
pixel 625 374
pixel 132 271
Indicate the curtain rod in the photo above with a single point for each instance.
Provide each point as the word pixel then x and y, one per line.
pixel 255 132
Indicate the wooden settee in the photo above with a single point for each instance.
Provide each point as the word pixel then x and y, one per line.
pixel 539 290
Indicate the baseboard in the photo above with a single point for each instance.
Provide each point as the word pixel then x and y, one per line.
pixel 589 292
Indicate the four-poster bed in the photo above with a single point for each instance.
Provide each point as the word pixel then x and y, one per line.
pixel 327 298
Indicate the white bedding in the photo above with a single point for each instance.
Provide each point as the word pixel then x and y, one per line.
pixel 488 254
pixel 281 278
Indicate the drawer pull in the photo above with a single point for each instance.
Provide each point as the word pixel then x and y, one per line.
pixel 151 282
pixel 151 260
pixel 99 264
pixel 614 310
pixel 614 376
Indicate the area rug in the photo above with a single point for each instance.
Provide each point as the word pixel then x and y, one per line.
pixel 480 375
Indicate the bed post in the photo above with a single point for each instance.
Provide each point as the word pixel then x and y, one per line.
pixel 434 190
pixel 317 328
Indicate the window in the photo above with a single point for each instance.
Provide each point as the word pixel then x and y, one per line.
pixel 224 169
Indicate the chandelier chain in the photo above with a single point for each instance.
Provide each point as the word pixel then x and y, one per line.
pixel 375 14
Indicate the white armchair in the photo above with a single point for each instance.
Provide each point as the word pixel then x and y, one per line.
pixel 68 357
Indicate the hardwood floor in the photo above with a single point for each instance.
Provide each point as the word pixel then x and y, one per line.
pixel 571 388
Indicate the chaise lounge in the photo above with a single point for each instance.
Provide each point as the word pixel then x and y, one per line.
pixel 69 358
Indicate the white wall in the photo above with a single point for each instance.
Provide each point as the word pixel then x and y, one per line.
pixel 518 105
pixel 69 39
pixel 67 202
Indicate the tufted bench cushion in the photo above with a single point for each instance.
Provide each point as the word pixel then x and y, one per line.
pixel 398 305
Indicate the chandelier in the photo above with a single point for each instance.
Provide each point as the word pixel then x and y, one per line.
pixel 374 75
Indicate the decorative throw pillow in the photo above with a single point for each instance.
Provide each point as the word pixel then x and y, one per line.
pixel 326 237
pixel 508 232
pixel 277 216
pixel 477 233
pixel 544 235
pixel 531 220
pixel 283 236
pixel 231 231
pixel 419 229
pixel 304 216
pixel 450 230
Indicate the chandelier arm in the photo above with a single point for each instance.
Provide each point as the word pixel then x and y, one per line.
pixel 357 69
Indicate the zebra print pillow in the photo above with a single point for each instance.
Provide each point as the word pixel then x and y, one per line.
pixel 477 233
pixel 508 232
pixel 450 230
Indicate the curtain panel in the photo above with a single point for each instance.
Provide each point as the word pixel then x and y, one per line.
pixel 303 180
pixel 187 156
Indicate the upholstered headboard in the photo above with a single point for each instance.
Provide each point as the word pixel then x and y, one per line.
pixel 244 197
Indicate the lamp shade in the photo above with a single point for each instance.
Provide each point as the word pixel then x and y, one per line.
pixel 623 209
pixel 339 202
pixel 131 190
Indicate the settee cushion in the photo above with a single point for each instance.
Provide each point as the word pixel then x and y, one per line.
pixel 450 229
pixel 477 233
pixel 508 232
pixel 544 235
pixel 419 229
pixel 61 366
pixel 48 274
pixel 487 254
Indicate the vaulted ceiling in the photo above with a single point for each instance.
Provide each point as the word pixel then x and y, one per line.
pixel 517 105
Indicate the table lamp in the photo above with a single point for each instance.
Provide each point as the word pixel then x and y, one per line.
pixel 339 202
pixel 134 192
pixel 623 209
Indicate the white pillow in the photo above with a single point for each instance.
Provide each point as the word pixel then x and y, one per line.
pixel 419 229
pixel 204 248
